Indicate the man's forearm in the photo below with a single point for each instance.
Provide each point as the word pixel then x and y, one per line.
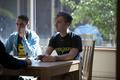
pixel 63 57
pixel 49 51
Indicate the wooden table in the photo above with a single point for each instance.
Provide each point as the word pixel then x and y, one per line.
pixel 46 70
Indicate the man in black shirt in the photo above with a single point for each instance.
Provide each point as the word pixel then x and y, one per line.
pixel 67 44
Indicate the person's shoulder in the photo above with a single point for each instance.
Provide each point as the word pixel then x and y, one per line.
pixel 13 34
pixel 56 34
pixel 74 35
pixel 32 33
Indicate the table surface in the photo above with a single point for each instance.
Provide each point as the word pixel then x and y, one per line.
pixel 37 65
pixel 45 69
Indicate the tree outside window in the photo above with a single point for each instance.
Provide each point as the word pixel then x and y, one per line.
pixel 102 13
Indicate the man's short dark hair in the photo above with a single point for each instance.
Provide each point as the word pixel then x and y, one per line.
pixel 24 18
pixel 67 17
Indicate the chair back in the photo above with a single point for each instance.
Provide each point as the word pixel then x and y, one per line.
pixel 87 59
pixel 87 36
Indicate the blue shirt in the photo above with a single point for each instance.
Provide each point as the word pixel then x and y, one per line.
pixel 31 44
pixel 89 29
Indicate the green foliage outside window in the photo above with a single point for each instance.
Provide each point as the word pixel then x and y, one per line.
pixel 102 13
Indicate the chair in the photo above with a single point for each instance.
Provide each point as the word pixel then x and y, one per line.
pixel 87 59
pixel 87 36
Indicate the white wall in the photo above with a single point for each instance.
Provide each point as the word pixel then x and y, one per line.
pixel 104 64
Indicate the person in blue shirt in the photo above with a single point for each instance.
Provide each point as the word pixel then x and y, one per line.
pixel 23 42
pixel 87 28
pixel 8 61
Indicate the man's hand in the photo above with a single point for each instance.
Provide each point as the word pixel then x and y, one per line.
pixel 39 57
pixel 48 58
pixel 22 32
pixel 28 61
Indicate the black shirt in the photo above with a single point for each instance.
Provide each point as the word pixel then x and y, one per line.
pixel 62 45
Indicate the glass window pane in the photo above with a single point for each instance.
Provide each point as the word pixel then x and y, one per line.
pixel 8 12
pixel 102 18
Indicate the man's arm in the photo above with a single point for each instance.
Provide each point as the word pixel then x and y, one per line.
pixel 33 45
pixel 9 61
pixel 71 55
pixel 8 44
pixel 48 52
pixel 73 52
pixel 13 63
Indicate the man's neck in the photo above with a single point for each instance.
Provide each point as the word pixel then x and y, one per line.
pixel 63 34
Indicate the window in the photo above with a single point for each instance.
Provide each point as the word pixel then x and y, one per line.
pixel 42 13
pixel 102 15
pixel 8 12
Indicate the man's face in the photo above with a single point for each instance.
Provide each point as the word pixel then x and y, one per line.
pixel 21 26
pixel 61 24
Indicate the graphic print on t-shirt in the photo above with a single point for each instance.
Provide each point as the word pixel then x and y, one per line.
pixel 20 48
pixel 21 52
pixel 62 50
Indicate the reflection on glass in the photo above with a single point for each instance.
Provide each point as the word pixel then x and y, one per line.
pixel 7 18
